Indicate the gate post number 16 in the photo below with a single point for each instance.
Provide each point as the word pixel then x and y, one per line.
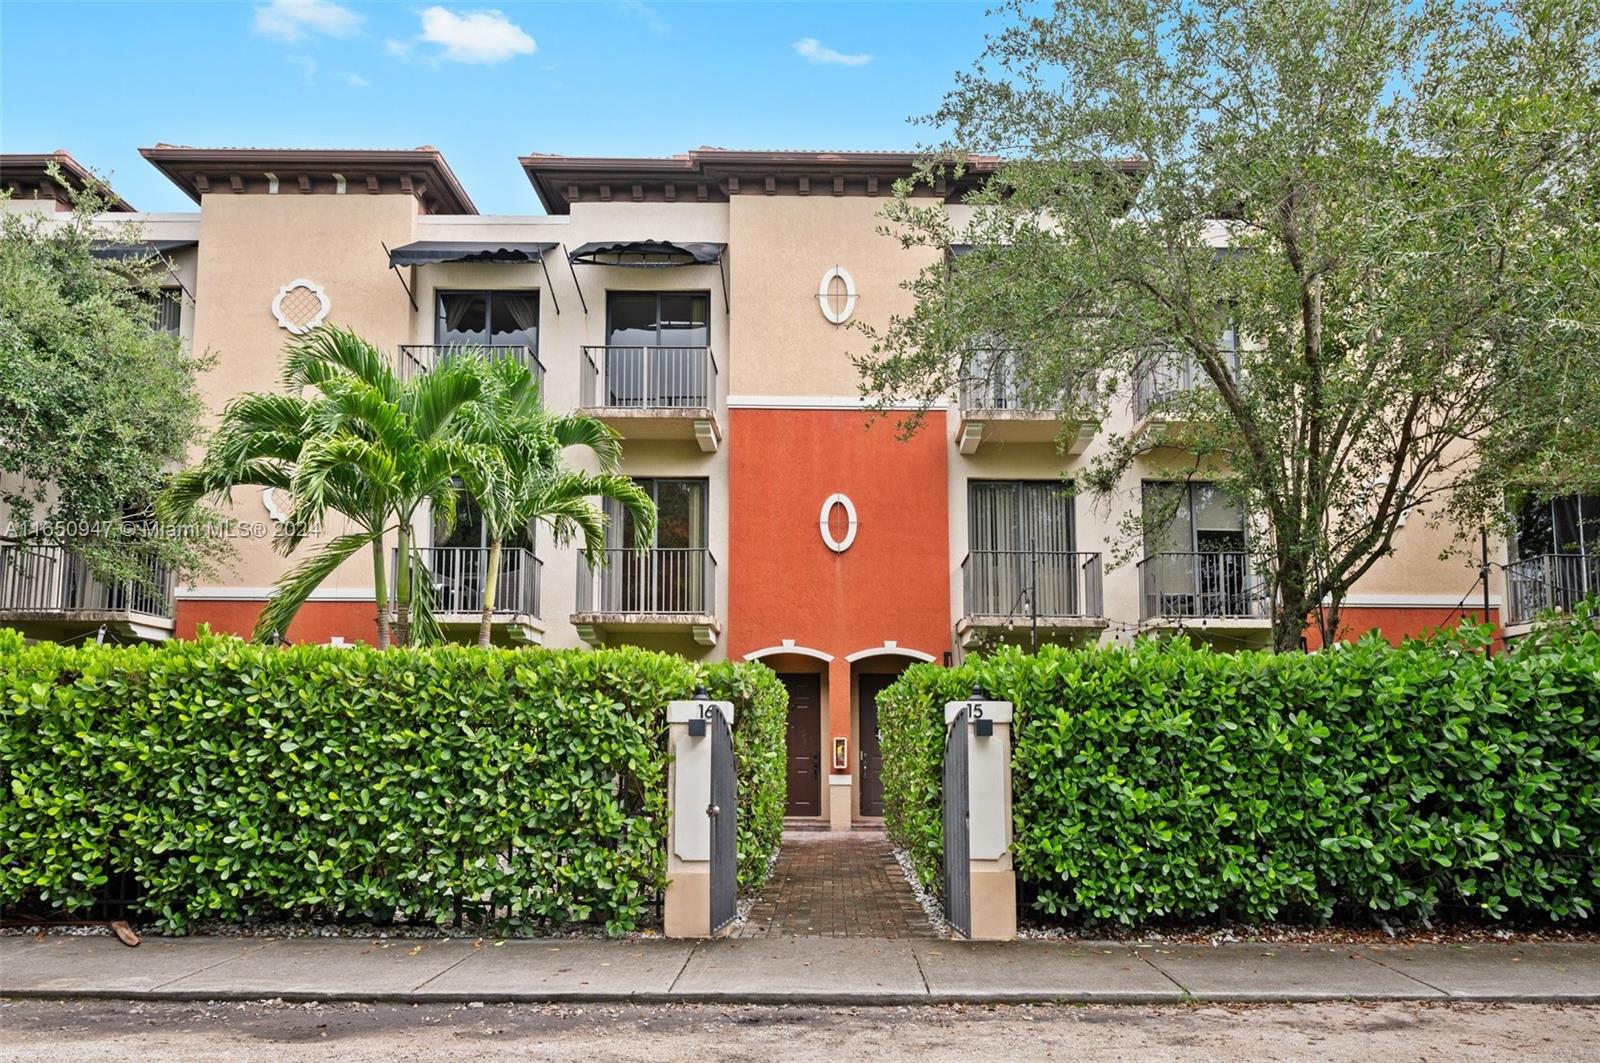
pixel 687 903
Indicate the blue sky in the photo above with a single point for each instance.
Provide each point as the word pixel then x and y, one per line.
pixel 482 82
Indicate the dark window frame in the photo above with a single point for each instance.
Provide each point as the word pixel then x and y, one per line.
pixel 488 294
pixel 652 487
pixel 1147 487
pixel 657 293
pixel 1018 484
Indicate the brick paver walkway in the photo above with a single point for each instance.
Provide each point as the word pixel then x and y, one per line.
pixel 836 885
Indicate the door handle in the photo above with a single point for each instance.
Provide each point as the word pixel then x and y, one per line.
pixel 816 763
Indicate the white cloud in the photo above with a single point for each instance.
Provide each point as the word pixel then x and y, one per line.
pixel 398 49
pixel 356 81
pixel 294 20
pixel 645 13
pixel 815 51
pixel 307 67
pixel 475 36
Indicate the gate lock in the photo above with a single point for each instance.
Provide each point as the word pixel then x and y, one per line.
pixel 713 810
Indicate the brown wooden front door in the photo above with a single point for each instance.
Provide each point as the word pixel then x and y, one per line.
pixel 804 742
pixel 871 755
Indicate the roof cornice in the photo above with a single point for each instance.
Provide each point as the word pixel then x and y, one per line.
pixel 715 174
pixel 420 172
pixel 27 177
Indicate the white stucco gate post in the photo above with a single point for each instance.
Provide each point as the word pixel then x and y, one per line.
pixel 980 881
pixel 701 852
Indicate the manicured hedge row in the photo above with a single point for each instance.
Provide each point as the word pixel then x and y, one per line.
pixel 1169 782
pixel 244 782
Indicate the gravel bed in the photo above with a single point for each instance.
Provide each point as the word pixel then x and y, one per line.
pixel 931 906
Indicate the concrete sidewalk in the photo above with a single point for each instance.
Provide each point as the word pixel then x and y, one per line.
pixel 788 971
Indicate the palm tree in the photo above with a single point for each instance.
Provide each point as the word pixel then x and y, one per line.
pixel 364 444
pixel 538 486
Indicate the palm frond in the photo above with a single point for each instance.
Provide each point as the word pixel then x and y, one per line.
pixel 297 585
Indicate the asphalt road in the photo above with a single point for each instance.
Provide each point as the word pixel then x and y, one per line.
pixel 283 1033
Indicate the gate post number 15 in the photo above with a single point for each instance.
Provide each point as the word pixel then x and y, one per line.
pixel 686 905
pixel 992 881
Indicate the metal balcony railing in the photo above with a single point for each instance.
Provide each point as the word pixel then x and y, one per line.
pixel 648 378
pixel 53 579
pixel 458 575
pixel 661 580
pixel 1554 582
pixel 416 359
pixel 1214 584
pixel 1169 376
pixel 993 383
pixel 1028 583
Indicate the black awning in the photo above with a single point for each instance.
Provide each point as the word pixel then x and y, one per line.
pixel 145 249
pixel 648 254
pixel 426 252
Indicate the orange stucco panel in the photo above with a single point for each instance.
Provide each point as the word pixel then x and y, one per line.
pixel 1399 622
pixel 784 582
pixel 316 621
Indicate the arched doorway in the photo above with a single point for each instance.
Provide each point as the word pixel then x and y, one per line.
pixel 873 670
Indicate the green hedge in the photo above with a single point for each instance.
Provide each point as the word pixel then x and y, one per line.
pixel 1167 782
pixel 243 782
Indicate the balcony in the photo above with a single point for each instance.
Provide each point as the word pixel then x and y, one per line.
pixel 1549 583
pixel 997 407
pixel 653 392
pixel 416 359
pixel 457 575
pixel 1203 590
pixel 667 590
pixel 49 592
pixel 1160 391
pixel 1059 592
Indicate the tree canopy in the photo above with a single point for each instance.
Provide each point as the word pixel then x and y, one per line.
pixel 96 404
pixel 1367 233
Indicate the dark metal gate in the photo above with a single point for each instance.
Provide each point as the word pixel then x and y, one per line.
pixel 724 813
pixel 957 840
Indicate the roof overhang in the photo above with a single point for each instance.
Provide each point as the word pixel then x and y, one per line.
pixel 28 177
pixel 428 252
pixel 419 172
pixel 647 254
pixel 143 249
pixel 714 174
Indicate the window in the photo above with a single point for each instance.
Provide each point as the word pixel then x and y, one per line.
pixel 1009 515
pixel 1190 518
pixel 658 319
pixel 1195 561
pixel 1021 536
pixel 1568 525
pixel 166 314
pixel 680 516
pixel 675 576
pixel 485 319
pixel 657 350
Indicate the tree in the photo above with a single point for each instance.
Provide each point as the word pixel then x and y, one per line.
pixel 539 488
pixel 364 444
pixel 1393 203
pixel 95 403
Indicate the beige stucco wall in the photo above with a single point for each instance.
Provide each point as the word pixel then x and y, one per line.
pixel 250 246
pixel 782 247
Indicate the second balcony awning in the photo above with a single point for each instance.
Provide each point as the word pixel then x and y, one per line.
pixel 648 254
pixel 427 252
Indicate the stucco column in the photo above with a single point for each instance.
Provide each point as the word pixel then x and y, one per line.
pixel 841 786
pixel 992 878
pixel 686 907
